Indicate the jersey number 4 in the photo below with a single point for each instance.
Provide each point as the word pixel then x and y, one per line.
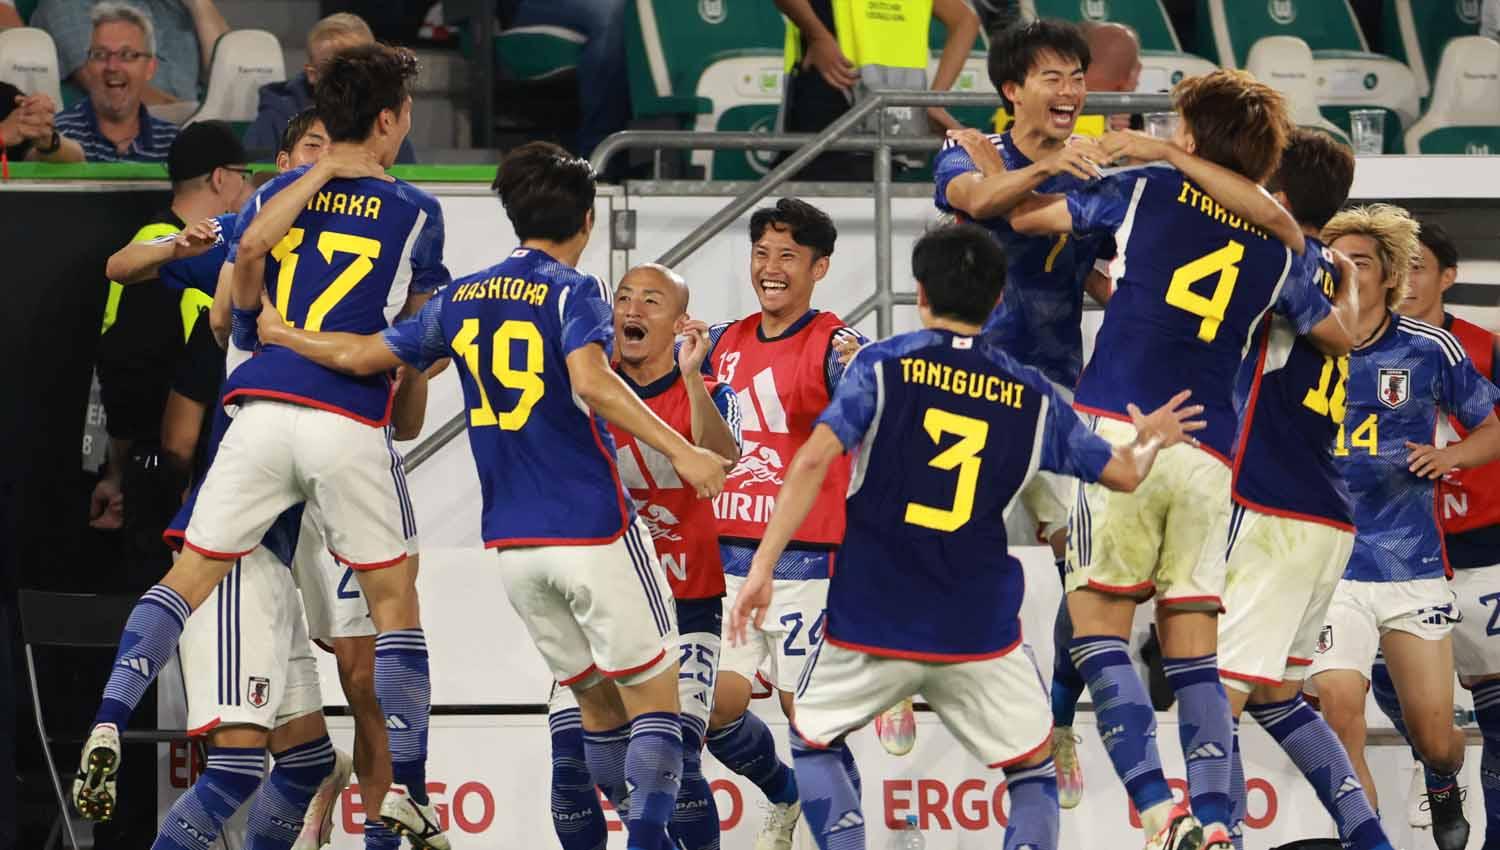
pixel 525 376
pixel 365 250
pixel 1225 264
pixel 962 456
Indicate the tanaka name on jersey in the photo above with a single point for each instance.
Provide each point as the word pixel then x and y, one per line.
pixel 345 203
pixel 1199 200
pixel 511 288
pixel 915 370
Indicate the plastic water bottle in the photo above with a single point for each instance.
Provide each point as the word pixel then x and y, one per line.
pixel 908 836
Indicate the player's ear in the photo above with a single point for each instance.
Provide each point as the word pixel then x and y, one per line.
pixel 921 295
pixel 819 268
pixel 679 323
pixel 1447 279
pixel 283 162
pixel 1010 89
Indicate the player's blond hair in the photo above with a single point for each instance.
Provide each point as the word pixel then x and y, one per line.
pixel 1395 234
pixel 339 25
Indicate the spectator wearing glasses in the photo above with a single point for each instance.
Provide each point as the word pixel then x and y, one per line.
pixel 112 124
pixel 186 31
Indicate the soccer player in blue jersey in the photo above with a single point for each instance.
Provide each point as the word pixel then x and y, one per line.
pixel 534 336
pixel 1292 526
pixel 1405 378
pixel 1194 278
pixel 372 248
pixel 948 428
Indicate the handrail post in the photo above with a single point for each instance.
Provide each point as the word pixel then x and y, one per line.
pixel 883 287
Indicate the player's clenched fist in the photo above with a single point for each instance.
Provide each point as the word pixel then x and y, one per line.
pixel 701 469
pixel 694 346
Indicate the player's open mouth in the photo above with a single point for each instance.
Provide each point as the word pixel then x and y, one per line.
pixel 773 285
pixel 1062 116
pixel 633 331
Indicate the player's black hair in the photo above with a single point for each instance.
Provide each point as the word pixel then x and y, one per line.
pixel 1440 244
pixel 1315 174
pixel 962 270
pixel 808 225
pixel 358 83
pixel 296 129
pixel 546 191
pixel 1014 51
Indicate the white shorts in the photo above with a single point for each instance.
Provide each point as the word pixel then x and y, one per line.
pixel 1047 497
pixel 275 455
pixel 793 630
pixel 1166 538
pixel 244 653
pixel 997 708
pixel 1476 637
pixel 595 610
pixel 330 591
pixel 1363 611
pixel 1282 573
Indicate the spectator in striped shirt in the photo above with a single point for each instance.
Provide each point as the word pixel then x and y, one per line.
pixel 112 124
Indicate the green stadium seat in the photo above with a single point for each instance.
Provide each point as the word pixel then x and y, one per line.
pixel 537 52
pixel 1464 115
pixel 1416 31
pixel 1286 63
pixel 1347 74
pixel 28 61
pixel 1163 61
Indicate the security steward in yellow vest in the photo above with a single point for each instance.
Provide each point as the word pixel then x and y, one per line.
pixel 838 49
pixel 146 329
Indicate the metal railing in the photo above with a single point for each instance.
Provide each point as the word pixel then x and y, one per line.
pixel 842 135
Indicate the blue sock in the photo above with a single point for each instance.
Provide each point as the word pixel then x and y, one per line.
pixel 1205 725
pixel 1033 807
pixel 605 754
pixel 653 773
pixel 404 688
pixel 378 836
pixel 1067 683
pixel 695 821
pixel 276 814
pixel 1487 712
pixel 747 748
pixel 1237 801
pixel 1127 723
pixel 830 805
pixel 853 770
pixel 230 776
pixel 150 637
pixel 577 817
pixel 1311 745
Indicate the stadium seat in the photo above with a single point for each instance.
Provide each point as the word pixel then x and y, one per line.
pixel 28 60
pixel 1347 75
pixel 1286 63
pixel 538 52
pixel 1416 31
pixel 1163 61
pixel 1464 115
pixel 717 66
pixel 243 61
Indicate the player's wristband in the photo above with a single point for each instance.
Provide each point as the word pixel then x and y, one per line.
pixel 242 328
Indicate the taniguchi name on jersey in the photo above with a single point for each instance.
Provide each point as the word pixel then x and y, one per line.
pixel 345 203
pixel 915 370
pixel 513 288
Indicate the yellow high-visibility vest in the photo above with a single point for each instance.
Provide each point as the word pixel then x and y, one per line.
pixel 879 33
pixel 193 301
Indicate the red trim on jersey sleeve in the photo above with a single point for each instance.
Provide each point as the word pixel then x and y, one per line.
pixel 1245 677
pixel 374 565
pixel 908 655
pixel 1123 590
pixel 628 671
pixel 571 679
pixel 1269 511
pixel 204 729
pixel 217 556
pixel 1028 755
pixel 304 401
pixel 512 542
pixel 1294 661
pixel 1120 417
pixel 174 537
pixel 1189 600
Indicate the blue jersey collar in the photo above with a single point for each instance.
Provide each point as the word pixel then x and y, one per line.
pixel 656 387
pixel 791 331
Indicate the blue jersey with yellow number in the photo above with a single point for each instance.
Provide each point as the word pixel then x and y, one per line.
pixel 948 428
pixel 546 464
pixel 1192 281
pixel 1038 319
pixel 1401 386
pixel 1291 397
pixel 347 264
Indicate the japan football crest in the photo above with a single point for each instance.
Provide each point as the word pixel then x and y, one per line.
pixel 259 691
pixel 1394 387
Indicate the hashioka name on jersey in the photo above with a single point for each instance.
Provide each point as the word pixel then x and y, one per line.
pixel 347 264
pixel 948 428
pixel 1193 280
pixel 1292 398
pixel 1038 319
pixel 546 464
pixel 1401 386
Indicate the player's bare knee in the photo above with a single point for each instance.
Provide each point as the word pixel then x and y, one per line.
pixel 1096 613
pixel 1268 694
pixel 600 705
pixel 1188 631
pixel 239 736
pixel 645 693
pixel 299 730
pixel 1239 693
pixel 731 699
pixel 356 660
pixel 788 704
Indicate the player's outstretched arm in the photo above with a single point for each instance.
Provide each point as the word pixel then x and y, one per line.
pixel 1040 215
pixel 140 261
pixel 1482 446
pixel 1334 335
pixel 990 190
pixel 804 479
pixel 352 354
pixel 1166 426
pixel 607 395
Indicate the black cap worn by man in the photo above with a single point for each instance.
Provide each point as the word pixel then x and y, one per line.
pixel 202 147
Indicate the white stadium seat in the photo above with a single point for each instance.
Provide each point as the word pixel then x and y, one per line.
pixel 1464 116
pixel 244 60
pixel 1285 63
pixel 28 61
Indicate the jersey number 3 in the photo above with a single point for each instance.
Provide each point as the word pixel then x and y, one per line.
pixel 963 456
pixel 525 376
